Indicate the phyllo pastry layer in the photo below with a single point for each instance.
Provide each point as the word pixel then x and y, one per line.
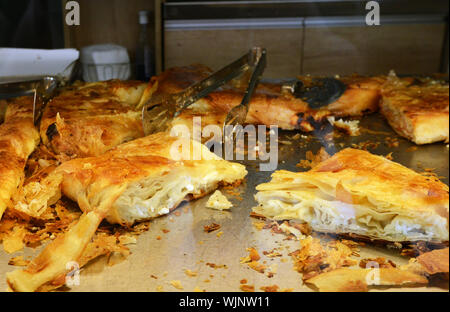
pixel 18 139
pixel 136 181
pixel 356 192
pixel 417 110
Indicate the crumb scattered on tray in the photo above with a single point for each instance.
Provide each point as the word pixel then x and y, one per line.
pixel 176 284
pixel 218 201
pixel 259 225
pixel 273 288
pixel 350 127
pixel 216 266
pixel 190 273
pixel 313 159
pixel 247 288
pixel 313 258
pixel 198 289
pixel 211 228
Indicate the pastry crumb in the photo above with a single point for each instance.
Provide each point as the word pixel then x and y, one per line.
pixel 218 201
pixel 176 284
pixel 247 288
pixel 211 228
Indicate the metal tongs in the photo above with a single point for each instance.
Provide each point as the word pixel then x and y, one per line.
pixel 43 89
pixel 160 110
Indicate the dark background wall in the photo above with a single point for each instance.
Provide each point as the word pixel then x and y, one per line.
pixel 31 24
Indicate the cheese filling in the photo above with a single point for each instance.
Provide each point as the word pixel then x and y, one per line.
pixel 326 214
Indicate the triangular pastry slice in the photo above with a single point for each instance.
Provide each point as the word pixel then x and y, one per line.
pixel 356 192
pixel 136 181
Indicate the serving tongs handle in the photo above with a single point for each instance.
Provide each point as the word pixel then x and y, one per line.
pixel 43 89
pixel 160 110
pixel 238 114
pixel 199 90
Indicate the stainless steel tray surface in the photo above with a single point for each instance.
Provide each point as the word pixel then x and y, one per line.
pixel 154 262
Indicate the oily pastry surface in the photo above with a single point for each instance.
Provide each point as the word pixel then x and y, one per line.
pixel 87 119
pixel 417 110
pixel 269 105
pixel 360 193
pixel 18 139
pixel 135 181
pixel 154 181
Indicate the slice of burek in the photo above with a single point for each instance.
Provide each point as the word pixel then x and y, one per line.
pixel 356 192
pixel 133 182
pixel 218 201
pixel 417 110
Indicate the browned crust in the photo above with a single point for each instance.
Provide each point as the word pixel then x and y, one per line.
pixel 269 105
pixel 419 112
pixel 89 119
pixel 436 261
pixel 355 280
pixel 95 183
pixel 18 139
pixel 392 175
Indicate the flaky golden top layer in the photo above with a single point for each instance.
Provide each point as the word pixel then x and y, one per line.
pixel 356 177
pixel 136 159
pixel 415 97
pixel 94 99
pixel 367 174
pixel 89 119
pixel 269 104
pixel 18 139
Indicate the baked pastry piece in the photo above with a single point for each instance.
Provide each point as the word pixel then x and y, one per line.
pixel 355 192
pixel 18 139
pixel 269 104
pixel 87 119
pixel 136 181
pixel 417 110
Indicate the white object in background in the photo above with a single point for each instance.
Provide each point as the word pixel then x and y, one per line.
pixel 104 62
pixel 16 63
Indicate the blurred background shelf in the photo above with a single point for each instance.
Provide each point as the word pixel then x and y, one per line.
pixel 302 37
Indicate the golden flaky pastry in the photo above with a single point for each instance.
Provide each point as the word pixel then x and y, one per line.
pixel 136 181
pixel 359 193
pixel 269 104
pixel 416 272
pixel 357 279
pixel 417 110
pixel 18 139
pixel 87 119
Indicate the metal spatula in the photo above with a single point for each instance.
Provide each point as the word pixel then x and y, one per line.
pixel 43 89
pixel 160 110
pixel 320 92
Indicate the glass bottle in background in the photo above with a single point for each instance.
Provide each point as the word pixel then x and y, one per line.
pixel 145 67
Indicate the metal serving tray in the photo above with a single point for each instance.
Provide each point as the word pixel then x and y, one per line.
pixel 154 263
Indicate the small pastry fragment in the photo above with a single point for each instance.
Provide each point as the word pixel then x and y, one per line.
pixel 218 201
